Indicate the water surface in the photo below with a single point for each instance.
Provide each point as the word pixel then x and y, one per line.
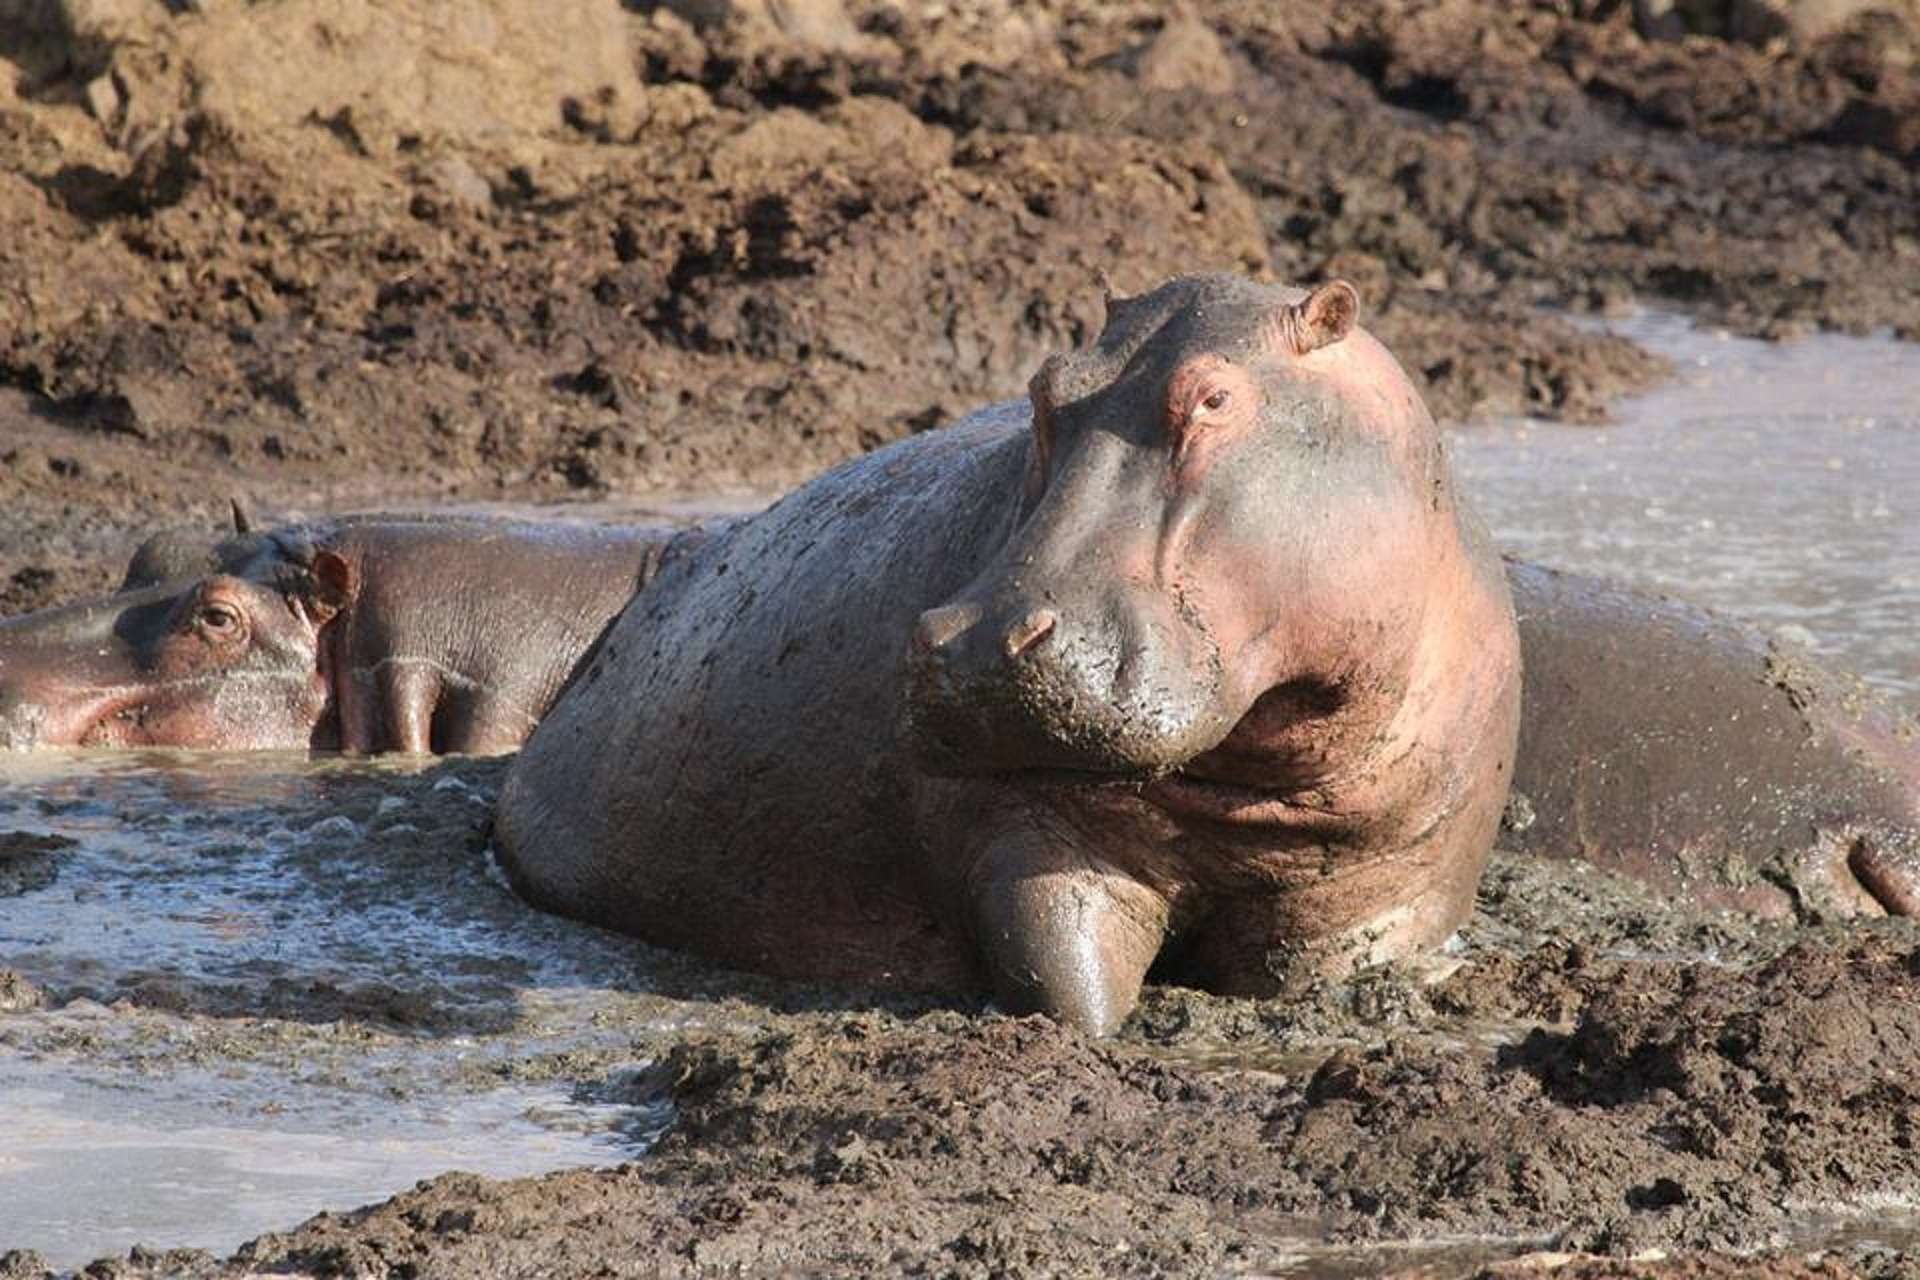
pixel 1780 482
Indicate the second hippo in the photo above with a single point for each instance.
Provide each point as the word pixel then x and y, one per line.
pixel 362 634
pixel 1202 663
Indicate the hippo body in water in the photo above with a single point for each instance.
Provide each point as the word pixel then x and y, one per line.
pixel 1200 662
pixel 1683 749
pixel 361 634
pixel 1143 675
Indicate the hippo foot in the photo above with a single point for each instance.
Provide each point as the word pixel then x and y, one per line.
pixel 1065 936
pixel 1849 871
pixel 1889 869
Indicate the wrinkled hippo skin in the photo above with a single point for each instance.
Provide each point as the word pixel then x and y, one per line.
pixel 363 634
pixel 1199 663
pixel 1679 747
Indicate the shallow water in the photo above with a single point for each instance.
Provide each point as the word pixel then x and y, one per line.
pixel 368 996
pixel 1780 482
pixel 278 985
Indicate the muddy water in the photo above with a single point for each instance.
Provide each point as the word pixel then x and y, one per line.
pixel 1780 482
pixel 256 987
pixel 273 986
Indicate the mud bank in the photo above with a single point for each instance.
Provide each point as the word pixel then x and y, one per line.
pixel 332 252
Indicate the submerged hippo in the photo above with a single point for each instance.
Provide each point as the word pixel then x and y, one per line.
pixel 362 633
pixel 1201 661
pixel 1676 746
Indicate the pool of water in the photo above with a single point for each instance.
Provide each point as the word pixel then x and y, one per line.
pixel 1778 482
pixel 274 985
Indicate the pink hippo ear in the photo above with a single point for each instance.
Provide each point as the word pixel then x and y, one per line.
pixel 1325 317
pixel 335 584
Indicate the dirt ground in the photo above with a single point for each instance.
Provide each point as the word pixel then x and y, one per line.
pixel 332 253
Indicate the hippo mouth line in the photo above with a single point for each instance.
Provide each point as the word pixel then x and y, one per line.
pixel 1229 803
pixel 114 715
pixel 1180 792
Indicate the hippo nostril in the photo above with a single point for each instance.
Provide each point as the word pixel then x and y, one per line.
pixel 938 627
pixel 1037 626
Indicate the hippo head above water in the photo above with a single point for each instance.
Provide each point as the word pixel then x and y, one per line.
pixel 1239 606
pixel 1232 503
pixel 361 633
pixel 210 642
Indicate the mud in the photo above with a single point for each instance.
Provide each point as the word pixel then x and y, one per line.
pixel 328 254
pixel 333 252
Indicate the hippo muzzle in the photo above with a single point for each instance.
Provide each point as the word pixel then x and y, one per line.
pixel 1120 686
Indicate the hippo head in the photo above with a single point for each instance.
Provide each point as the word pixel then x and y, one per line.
pixel 210 642
pixel 1231 503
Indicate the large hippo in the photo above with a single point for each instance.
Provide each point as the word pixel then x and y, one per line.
pixel 1200 661
pixel 362 634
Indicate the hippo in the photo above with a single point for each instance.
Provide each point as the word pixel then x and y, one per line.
pixel 1667 743
pixel 361 634
pixel 1195 661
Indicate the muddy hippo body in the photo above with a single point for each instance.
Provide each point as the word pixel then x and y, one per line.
pixel 1686 750
pixel 1197 661
pixel 362 634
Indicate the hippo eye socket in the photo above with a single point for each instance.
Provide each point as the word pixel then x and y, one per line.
pixel 220 619
pixel 1217 401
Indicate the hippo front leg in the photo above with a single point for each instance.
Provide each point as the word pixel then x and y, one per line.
pixel 1061 933
pixel 390 707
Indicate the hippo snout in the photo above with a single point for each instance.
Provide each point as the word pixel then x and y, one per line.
pixel 1033 686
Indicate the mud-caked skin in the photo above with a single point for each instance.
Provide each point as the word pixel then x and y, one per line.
pixel 362 634
pixel 1199 662
pixel 1681 748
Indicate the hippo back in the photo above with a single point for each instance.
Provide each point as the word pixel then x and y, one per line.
pixel 712 776
pixel 1674 745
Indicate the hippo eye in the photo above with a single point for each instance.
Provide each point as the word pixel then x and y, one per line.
pixel 1216 402
pixel 220 619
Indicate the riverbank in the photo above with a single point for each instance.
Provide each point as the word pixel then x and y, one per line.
pixel 333 254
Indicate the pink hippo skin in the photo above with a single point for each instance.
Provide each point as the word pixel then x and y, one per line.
pixel 1200 661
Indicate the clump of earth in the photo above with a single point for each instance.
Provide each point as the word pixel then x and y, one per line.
pixel 327 253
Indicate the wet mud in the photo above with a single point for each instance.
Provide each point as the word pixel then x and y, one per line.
pixel 1589 1069
pixel 327 254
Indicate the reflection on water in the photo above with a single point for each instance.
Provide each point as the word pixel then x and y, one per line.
pixel 1778 482
pixel 277 985
pixel 87 1170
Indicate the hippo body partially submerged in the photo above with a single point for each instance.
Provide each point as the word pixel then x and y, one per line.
pixel 1681 748
pixel 362 634
pixel 1199 663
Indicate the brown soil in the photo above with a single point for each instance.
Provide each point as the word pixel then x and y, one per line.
pixel 327 252
pixel 983 1146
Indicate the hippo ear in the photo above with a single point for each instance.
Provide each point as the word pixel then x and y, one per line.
pixel 1325 317
pixel 335 584
pixel 242 521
